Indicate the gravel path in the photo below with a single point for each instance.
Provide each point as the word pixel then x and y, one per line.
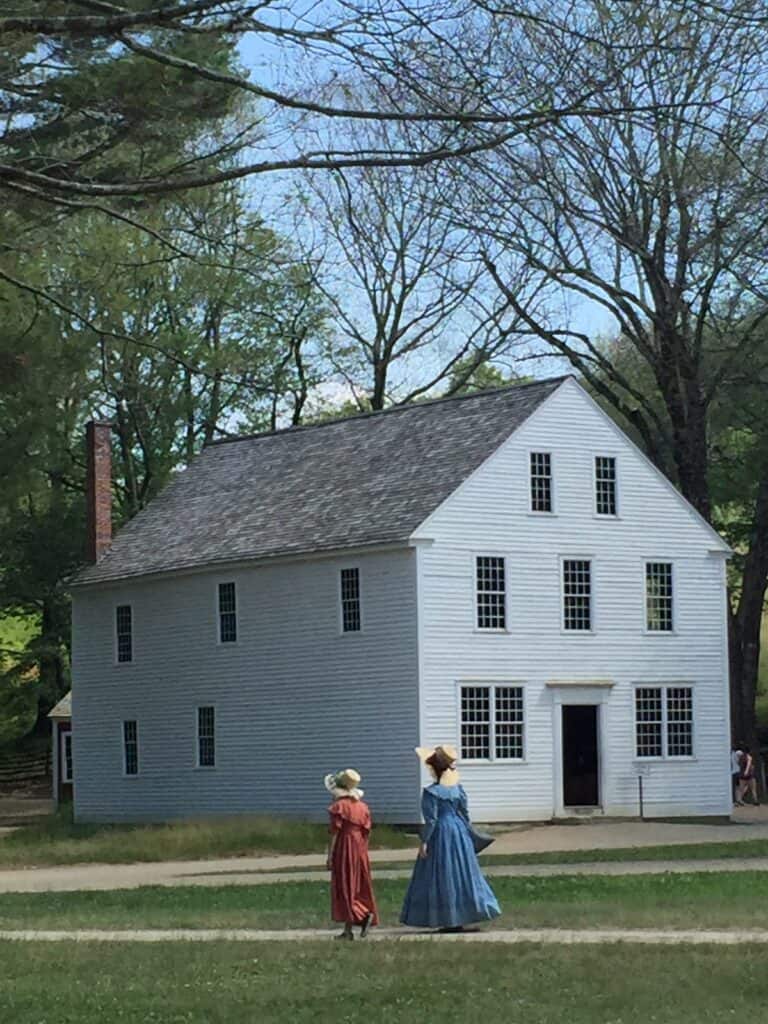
pixel 548 936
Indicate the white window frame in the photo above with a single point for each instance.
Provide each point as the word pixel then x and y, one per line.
pixel 475 593
pixel 592 603
pixel 552 492
pixel 118 661
pixel 67 764
pixel 664 687
pixel 206 767
pixel 491 684
pixel 605 515
pixel 339 584
pixel 219 613
pixel 659 561
pixel 126 773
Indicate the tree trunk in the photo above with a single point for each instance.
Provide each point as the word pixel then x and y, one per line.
pixel 747 623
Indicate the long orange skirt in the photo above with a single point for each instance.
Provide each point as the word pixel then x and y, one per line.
pixel 352 896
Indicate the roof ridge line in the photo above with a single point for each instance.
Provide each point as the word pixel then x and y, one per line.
pixel 405 407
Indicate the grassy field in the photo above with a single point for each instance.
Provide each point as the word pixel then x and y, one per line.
pixel 57 840
pixel 379 983
pixel 735 900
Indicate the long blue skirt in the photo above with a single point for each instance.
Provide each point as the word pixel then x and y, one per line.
pixel 447 888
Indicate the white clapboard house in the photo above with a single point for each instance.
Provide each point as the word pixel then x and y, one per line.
pixel 504 571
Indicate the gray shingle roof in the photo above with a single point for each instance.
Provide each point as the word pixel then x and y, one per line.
pixel 362 481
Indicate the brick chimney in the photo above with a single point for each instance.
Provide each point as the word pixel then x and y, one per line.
pixel 98 488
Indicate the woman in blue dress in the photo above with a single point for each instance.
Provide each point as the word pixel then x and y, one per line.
pixel 447 889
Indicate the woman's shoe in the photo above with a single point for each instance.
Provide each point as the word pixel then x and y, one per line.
pixel 345 935
pixel 365 925
pixel 451 931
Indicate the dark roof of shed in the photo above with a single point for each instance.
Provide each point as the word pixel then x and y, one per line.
pixel 356 482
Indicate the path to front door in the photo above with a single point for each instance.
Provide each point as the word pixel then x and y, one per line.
pixel 581 786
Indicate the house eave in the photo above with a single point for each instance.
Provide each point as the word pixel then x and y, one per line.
pixel 242 562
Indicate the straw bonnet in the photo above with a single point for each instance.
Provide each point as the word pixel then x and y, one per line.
pixel 440 760
pixel 344 783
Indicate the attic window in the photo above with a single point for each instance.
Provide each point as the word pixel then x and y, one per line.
pixel 227 613
pixel 124 632
pixel 350 601
pixel 605 485
pixel 541 482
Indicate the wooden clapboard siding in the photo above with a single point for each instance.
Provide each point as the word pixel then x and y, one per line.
pixel 489 514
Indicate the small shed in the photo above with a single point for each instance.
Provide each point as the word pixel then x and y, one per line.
pixel 61 728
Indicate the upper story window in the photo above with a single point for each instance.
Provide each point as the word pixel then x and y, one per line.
pixel 541 482
pixel 658 597
pixel 664 721
pixel 577 594
pixel 605 485
pixel 351 621
pixel 206 737
pixel 491 592
pixel 492 723
pixel 131 747
pixel 124 631
pixel 227 613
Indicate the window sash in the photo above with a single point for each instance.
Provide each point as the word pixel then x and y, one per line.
pixel 124 632
pixel 659 597
pixel 227 613
pixel 541 482
pixel 577 594
pixel 492 723
pixel 491 592
pixel 664 722
pixel 206 737
pixel 605 485
pixel 131 747
pixel 351 618
pixel 66 757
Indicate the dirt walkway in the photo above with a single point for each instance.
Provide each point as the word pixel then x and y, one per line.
pixel 550 936
pixel 212 873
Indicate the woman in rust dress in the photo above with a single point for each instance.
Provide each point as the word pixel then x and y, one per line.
pixel 352 899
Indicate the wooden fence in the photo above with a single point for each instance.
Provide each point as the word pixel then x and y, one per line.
pixel 21 767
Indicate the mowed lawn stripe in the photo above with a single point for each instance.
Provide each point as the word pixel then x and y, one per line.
pixel 690 901
pixel 380 983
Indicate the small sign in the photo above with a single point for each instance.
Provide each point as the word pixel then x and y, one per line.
pixel 644 770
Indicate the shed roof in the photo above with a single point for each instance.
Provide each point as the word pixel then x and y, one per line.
pixel 64 708
pixel 356 482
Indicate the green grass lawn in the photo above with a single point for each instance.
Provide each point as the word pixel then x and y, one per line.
pixel 312 983
pixel 722 900
pixel 58 840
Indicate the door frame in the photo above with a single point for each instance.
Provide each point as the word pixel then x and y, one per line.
pixel 564 692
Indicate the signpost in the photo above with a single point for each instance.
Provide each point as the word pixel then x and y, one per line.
pixel 643 772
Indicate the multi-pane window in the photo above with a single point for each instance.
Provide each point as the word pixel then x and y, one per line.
pixel 350 600
pixel 492 722
pixel 131 747
pixel 658 597
pixel 491 592
pixel 66 757
pixel 124 628
pixel 664 721
pixel 227 613
pixel 206 737
pixel 577 594
pixel 541 482
pixel 605 485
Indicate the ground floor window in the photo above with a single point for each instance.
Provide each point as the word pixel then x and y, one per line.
pixel 131 747
pixel 66 757
pixel 206 737
pixel 664 721
pixel 492 722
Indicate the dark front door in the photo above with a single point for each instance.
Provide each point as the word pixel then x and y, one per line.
pixel 580 772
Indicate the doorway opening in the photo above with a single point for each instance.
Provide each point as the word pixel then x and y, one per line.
pixel 581 784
